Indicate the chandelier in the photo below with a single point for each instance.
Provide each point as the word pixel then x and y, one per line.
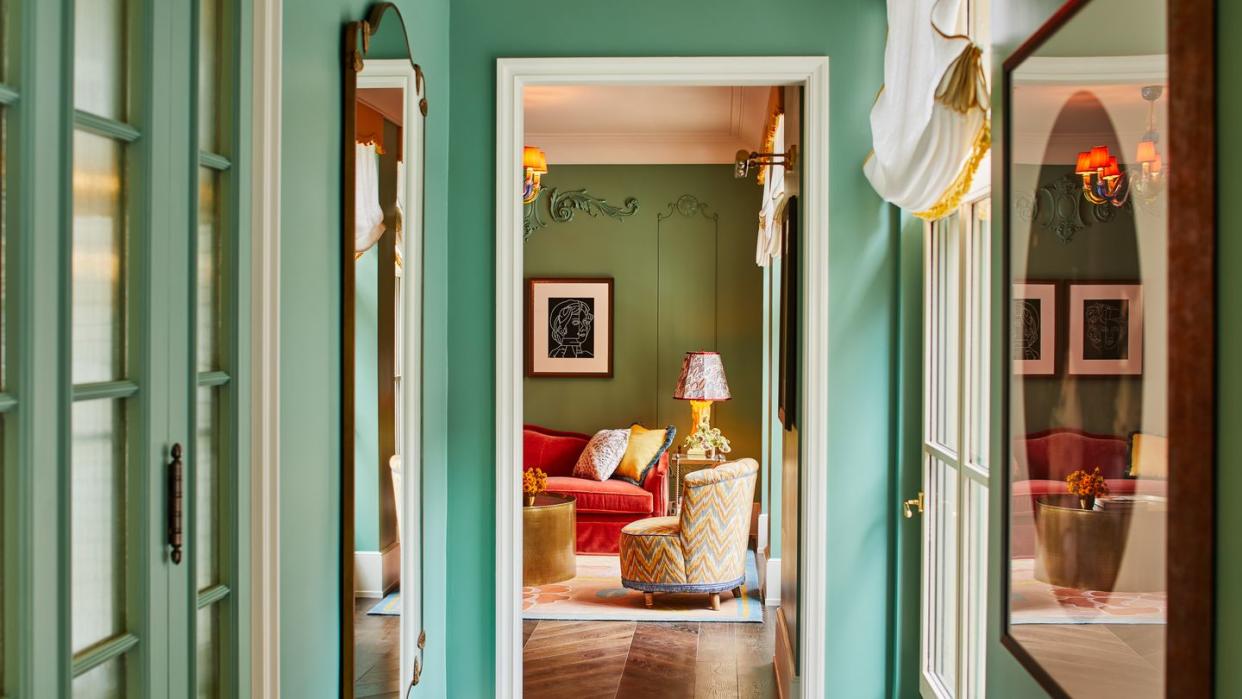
pixel 1150 180
pixel 1103 182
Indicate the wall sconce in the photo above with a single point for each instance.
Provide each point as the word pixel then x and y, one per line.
pixel 534 165
pixel 1102 178
pixel 1151 179
pixel 745 160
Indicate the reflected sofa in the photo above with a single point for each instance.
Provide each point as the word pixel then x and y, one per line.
pixel 1042 460
pixel 603 507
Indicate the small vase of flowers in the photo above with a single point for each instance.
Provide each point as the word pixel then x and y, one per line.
pixel 709 439
pixel 534 482
pixel 1087 486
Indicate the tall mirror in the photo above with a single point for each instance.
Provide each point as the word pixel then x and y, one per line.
pixel 1099 252
pixel 381 585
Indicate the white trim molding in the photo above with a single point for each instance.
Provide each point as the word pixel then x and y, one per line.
pixel 376 573
pixel 512 76
pixel 265 350
pixel 772 583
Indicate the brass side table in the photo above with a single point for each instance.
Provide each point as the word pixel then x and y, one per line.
pixel 683 464
pixel 1119 548
pixel 548 532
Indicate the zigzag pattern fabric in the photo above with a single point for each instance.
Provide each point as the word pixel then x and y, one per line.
pixel 651 551
pixel 706 545
pixel 715 521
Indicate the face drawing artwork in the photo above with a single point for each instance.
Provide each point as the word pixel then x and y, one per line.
pixel 571 325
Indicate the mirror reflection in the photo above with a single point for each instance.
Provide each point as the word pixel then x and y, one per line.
pixel 1088 338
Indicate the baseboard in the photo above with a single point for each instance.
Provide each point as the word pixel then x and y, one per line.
pixel 772 582
pixel 376 573
pixel 763 533
pixel 787 685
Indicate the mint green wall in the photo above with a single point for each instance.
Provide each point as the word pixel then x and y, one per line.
pixel 366 402
pixel 310 338
pixel 680 284
pixel 862 247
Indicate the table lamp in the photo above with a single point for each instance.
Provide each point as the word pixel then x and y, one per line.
pixel 702 382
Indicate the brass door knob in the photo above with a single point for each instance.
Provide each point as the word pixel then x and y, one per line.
pixel 908 506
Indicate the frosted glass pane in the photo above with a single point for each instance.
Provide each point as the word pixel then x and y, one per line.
pixel 207 486
pixel 98 515
pixel 98 259
pixel 208 269
pixel 209 70
pixel 209 652
pixel 104 682
pixel 99 57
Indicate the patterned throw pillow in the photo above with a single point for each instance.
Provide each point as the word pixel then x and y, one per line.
pixel 602 455
pixel 643 453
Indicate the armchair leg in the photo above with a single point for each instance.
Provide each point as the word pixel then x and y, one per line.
pixel 737 592
pixel 649 598
pixel 716 601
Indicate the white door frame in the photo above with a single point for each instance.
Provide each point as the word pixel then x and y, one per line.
pixel 512 76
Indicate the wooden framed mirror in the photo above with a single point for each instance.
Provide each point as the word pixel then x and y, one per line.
pixel 383 110
pixel 1108 391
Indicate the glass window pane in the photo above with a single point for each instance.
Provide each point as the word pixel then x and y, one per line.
pixel 98 259
pixel 4 195
pixel 98 516
pixel 207 486
pixel 99 57
pixel 104 682
pixel 209 74
pixel 209 286
pixel 209 652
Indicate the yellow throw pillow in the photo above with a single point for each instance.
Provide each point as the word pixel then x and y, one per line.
pixel 1149 456
pixel 643 452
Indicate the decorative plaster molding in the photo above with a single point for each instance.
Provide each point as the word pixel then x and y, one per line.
pixel 562 205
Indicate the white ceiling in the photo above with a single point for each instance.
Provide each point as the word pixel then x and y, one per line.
pixel 644 125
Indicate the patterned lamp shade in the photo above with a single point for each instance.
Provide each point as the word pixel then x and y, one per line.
pixel 702 378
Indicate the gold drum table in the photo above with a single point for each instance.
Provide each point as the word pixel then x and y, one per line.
pixel 1119 548
pixel 548 533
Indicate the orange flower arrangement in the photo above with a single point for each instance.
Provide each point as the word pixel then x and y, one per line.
pixel 534 482
pixel 1087 486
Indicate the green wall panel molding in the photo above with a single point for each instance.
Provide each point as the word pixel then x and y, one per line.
pixel 863 253
pixel 680 285
pixel 562 205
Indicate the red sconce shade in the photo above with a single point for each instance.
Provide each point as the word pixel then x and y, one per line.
pixel 1099 157
pixel 1084 164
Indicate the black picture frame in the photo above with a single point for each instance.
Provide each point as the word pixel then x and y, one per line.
pixel 601 338
pixel 791 288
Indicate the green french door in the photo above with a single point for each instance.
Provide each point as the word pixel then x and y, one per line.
pixel 123 398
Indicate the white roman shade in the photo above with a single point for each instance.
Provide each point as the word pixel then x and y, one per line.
pixel 929 125
pixel 368 216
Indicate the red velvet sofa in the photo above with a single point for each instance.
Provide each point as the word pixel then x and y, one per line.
pixel 603 507
pixel 1042 460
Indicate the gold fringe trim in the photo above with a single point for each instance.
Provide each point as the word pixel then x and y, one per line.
pixel 952 196
pixel 776 109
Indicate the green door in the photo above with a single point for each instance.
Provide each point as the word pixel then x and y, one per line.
pixel 125 560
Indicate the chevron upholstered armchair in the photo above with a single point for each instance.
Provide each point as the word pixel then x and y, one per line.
pixel 704 548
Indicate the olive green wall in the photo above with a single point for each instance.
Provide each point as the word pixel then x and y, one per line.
pixel 680 284
pixel 861 274
pixel 310 339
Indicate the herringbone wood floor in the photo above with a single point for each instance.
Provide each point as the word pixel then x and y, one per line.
pixel 633 660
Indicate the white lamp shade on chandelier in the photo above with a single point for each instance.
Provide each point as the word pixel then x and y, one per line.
pixel 929 125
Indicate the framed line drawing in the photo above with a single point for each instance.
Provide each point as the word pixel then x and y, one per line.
pixel 1106 329
pixel 1034 328
pixel 569 329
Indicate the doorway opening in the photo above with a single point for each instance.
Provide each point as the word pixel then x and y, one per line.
pixel 633 296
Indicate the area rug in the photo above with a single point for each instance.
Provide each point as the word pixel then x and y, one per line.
pixel 596 595
pixel 1035 602
pixel 389 606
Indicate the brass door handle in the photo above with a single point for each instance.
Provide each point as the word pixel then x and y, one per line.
pixel 908 506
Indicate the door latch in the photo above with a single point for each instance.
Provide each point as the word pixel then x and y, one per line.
pixel 908 506
pixel 176 473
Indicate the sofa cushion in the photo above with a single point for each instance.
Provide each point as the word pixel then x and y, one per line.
pixel 643 452
pixel 1055 454
pixel 1149 456
pixel 602 455
pixel 554 452
pixel 606 497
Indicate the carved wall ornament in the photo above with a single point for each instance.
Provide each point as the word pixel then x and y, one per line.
pixel 563 205
pixel 688 205
pixel 1058 207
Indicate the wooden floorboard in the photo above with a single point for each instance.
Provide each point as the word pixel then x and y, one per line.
pixel 1097 660
pixel 645 660
pixel 377 658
